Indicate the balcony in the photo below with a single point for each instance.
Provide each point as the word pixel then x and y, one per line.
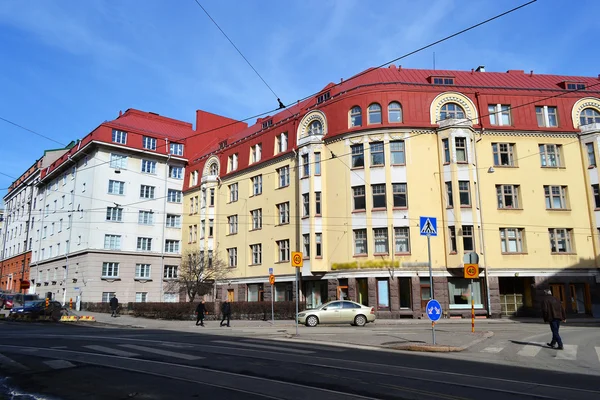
pixel 589 128
pixel 455 123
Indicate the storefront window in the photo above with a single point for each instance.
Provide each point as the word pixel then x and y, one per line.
pixel 316 293
pixel 405 292
pixel 283 292
pixel 459 292
pixel 383 294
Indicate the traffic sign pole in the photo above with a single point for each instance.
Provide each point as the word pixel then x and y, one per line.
pixel 472 309
pixel 272 306
pixel 297 294
pixel 434 313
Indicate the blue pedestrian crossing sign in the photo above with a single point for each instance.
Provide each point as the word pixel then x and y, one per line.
pixel 270 271
pixel 428 226
pixel 434 310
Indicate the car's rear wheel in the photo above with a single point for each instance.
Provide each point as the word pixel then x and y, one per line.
pixel 312 321
pixel 360 320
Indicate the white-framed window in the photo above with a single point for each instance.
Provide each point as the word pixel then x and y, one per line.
pixel 142 271
pixel 256 251
pixel 147 192
pixel 318 245
pixel 317 163
pixel 171 246
pixel 281 142
pixel 305 205
pixel 402 240
pixel 499 114
pixel 106 296
pixel 360 241
pixel 173 221
pixel 451 111
pixel 550 155
pixel 508 196
pixel 114 187
pixel 170 272
pixel 174 196
pixel 591 154
pixel 398 152
pixel 175 172
pixel 306 245
pixel 232 257
pixel 233 192
pixel 112 242
pixel 464 193
pixel 149 143
pixel 374 113
pixel 51 229
pixel 145 217
pixel 232 221
pixel 176 149
pixel 452 238
pixel 110 270
pixel 317 203
pixel 118 161
pixel 256 153
pixel 512 240
pixel 213 170
pixel 256 218
pixel 211 199
pixel 232 162
pixel 211 227
pixel 556 197
pixel 504 154
pixel 377 154
pixel 355 116
pixel 171 297
pixel 589 116
pixel 459 293
pixel 380 235
pixel 358 155
pixel 144 244
pixel 561 240
pixel 547 116
pixel 400 195
pixel 315 128
pixel 460 146
pixel 141 297
pixel 257 185
pixel 394 112
pixel 284 176
pixel 193 178
pixel 149 167
pixel 283 247
pixel 446 149
pixel 202 229
pixel 283 209
pixel 114 214
pixel 468 238
pixel 305 161
pixel 119 136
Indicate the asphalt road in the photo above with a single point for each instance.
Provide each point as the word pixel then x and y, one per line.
pixel 75 362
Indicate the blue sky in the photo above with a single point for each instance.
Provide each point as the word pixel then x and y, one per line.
pixel 66 66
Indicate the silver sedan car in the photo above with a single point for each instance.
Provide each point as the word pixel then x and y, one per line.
pixel 338 312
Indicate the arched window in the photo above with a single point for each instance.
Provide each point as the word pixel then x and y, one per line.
pixel 589 116
pixel 355 116
pixel 451 111
pixel 374 114
pixel 214 169
pixel 315 128
pixel 394 112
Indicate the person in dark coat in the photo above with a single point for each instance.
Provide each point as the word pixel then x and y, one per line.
pixel 226 311
pixel 553 313
pixel 200 313
pixel 114 305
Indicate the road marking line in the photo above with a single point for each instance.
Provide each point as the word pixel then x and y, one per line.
pixel 162 352
pixel 108 350
pixel 492 350
pixel 299 345
pixel 530 350
pixel 569 352
pixel 59 364
pixel 11 363
pixel 266 347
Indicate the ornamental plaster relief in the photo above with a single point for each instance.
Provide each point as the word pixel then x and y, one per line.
pixel 580 105
pixel 308 119
pixel 452 97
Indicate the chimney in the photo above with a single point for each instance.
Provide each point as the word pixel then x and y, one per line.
pixel 481 68
pixel 120 113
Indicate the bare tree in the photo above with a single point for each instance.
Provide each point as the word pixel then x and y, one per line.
pixel 199 272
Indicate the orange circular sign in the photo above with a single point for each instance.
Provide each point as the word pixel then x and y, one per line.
pixel 297 259
pixel 471 271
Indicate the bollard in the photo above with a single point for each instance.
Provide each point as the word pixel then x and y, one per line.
pixel 47 302
pixel 71 303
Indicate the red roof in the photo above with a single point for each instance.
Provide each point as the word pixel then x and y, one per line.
pixel 153 124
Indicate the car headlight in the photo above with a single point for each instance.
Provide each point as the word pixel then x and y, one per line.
pixel 301 315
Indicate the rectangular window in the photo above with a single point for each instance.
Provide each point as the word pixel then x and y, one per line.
pixel 173 221
pixel 170 272
pixel 499 114
pixel 112 242
pixel 397 149
pixel 305 161
pixel 377 154
pixel 114 214
pixel 174 196
pixel 317 163
pixel 464 192
pixel 119 136
pixel 142 271
pixel 358 156
pixel 118 161
pixel 284 213
pixel 256 250
pixel 556 197
pixel 561 240
pixel 176 149
pixel 211 198
pixel 305 205
pixel 508 196
pixel 284 176
pixel 360 241
pixel 460 145
pixel 51 229
pixel 202 229
pixel 232 256
pixel 233 192
pixel 459 293
pixel 402 240
pixel 211 227
pixel 452 237
pixel 141 297
pixel 547 116
pixel 380 236
pixel 511 240
pixel 379 196
pixel 149 143
pixel 175 172
pixel 449 195
pixel 282 142
pixel 195 233
pixel 306 245
pixel 256 218
pixel 146 217
pixel 383 294
pixel 284 250
pixel 318 245
pixel 232 162
pixel 257 185
pixel 232 221
pixel 400 195
pixel 149 167
pixel 146 192
pixel 504 154
pixel 110 270
pixel 550 155
pixel 446 148
pixel 171 246
pixel 317 203
pixel 468 238
pixel 190 234
pixel 144 244
pixel 106 296
pixel 114 187
pixel 255 153
pixel 596 192
pixel 591 154
pixel 358 193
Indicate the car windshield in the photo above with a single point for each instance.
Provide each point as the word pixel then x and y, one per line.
pixel 33 303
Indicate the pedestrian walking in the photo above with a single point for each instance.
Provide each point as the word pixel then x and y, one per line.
pixel 553 313
pixel 200 313
pixel 226 311
pixel 114 305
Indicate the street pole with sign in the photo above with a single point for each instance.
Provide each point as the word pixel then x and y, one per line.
pixel 471 271
pixel 297 258
pixel 428 227
pixel 272 282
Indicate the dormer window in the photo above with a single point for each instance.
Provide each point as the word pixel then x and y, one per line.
pixel 256 153
pixel 441 80
pixel 323 97
pixel 268 123
pixel 315 128
pixel 573 85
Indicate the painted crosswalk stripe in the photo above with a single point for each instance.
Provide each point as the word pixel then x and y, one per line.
pixel 109 350
pixel 569 352
pixel 530 350
pixel 264 346
pixel 9 362
pixel 162 352
pixel 300 345
pixel 59 364
pixel 492 350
